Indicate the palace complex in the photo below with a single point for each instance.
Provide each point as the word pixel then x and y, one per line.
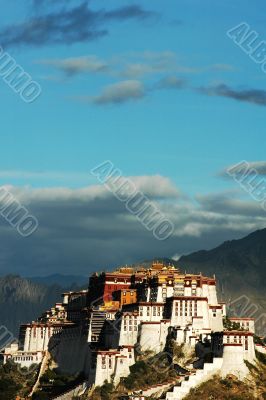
pixel 100 331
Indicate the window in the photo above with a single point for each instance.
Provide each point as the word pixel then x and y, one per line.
pixel 176 310
pixel 131 293
pixel 124 293
pixel 110 362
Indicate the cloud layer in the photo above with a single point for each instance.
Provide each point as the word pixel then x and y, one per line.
pixel 163 67
pixel 120 93
pixel 252 167
pixel 68 25
pixel 88 228
pixel 254 96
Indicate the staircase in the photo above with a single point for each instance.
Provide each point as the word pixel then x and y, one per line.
pixel 77 391
pixel 156 391
pixel 97 322
pixel 43 368
pixel 193 380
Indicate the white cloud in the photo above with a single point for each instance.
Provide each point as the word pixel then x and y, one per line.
pixel 75 65
pixel 88 228
pixel 120 92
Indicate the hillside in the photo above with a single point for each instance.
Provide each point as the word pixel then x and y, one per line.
pixel 65 281
pixel 22 300
pixel 240 269
pixel 239 265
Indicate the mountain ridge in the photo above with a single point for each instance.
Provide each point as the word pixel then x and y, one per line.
pixel 23 300
pixel 239 266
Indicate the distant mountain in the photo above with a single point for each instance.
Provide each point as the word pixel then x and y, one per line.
pixel 65 281
pixel 240 269
pixel 22 300
pixel 239 265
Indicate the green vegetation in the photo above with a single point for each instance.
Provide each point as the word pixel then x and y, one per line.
pixel 14 381
pixel 53 383
pixel 222 389
pixel 259 340
pixel 145 373
pixel 104 392
pixel 231 326
pixel 176 349
pixel 233 389
pixel 261 357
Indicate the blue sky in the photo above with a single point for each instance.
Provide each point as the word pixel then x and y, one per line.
pixel 167 56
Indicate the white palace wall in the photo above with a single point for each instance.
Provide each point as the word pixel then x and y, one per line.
pixel 184 309
pixel 233 361
pixel 153 335
pixel 113 364
pixel 190 306
pixel 37 337
pixel 129 329
pixel 245 339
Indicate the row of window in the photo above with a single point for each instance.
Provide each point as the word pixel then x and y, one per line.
pixel 24 358
pixel 131 301
pixel 130 328
pixel 186 308
pixel 34 333
pixel 237 339
pixel 155 310
pixel 109 362
pixel 130 322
